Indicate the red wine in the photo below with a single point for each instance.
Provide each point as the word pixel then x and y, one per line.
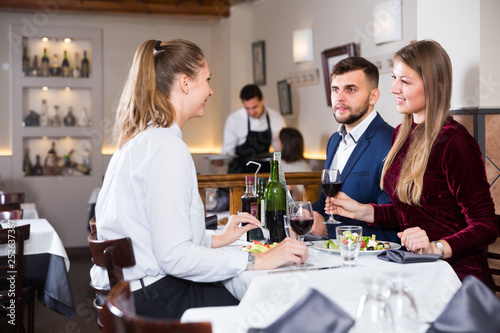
pixel 331 189
pixel 274 222
pixel 249 205
pixel 301 226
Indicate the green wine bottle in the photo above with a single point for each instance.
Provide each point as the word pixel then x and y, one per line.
pixel 27 166
pixel 45 64
pixel 275 204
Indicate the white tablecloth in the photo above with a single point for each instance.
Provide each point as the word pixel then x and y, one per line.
pixel 43 239
pixel 265 297
pixel 29 211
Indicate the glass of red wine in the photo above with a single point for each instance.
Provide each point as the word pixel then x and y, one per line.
pixel 301 218
pixel 331 185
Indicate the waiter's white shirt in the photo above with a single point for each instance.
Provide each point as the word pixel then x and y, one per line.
pixel 150 194
pixel 236 128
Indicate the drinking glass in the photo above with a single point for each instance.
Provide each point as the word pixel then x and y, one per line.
pixel 331 185
pixel 300 218
pixel 374 312
pixel 349 240
pixel 403 305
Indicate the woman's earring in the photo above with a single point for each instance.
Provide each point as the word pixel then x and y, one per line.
pixel 187 91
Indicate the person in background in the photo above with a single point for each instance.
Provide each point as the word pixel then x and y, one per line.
pixel 291 144
pixel 250 131
pixel 359 146
pixel 150 191
pixel 434 172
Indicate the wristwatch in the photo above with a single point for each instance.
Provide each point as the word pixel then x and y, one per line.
pixel 251 261
pixel 440 247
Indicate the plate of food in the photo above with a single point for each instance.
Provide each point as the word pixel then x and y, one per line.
pixel 369 245
pixel 258 247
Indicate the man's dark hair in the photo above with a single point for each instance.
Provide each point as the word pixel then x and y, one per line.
pixel 250 91
pixel 350 64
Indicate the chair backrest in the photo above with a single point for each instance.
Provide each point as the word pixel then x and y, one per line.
pixel 236 184
pixel 92 225
pixel 7 265
pixel 113 255
pixel 493 255
pixel 15 214
pixel 7 198
pixel 119 317
pixel 10 206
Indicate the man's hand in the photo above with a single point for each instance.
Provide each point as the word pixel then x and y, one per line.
pixel 318 228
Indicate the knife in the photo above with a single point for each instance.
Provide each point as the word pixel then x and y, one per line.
pixel 304 269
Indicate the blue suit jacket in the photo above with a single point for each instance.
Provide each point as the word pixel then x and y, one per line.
pixel 361 176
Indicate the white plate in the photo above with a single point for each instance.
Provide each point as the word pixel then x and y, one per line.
pixel 319 245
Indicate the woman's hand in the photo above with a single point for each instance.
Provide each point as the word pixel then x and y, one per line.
pixel 416 240
pixel 343 205
pixel 234 230
pixel 288 250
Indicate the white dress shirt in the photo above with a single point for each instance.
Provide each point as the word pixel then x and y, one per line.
pixel 150 194
pixel 349 141
pixel 236 128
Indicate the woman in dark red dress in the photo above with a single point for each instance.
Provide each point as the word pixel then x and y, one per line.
pixel 434 172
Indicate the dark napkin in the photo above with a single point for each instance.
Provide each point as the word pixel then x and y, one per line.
pixel 406 257
pixel 310 238
pixel 473 308
pixel 211 222
pixel 312 313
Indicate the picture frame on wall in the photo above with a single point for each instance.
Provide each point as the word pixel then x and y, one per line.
pixel 259 62
pixel 285 97
pixel 329 58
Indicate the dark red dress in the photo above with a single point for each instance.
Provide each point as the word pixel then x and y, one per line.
pixel 456 203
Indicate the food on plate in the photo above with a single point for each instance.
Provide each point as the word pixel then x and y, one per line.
pixel 258 247
pixel 367 243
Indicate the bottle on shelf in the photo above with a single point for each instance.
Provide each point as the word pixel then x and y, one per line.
pixel 27 166
pixel 76 69
pixel 37 169
pixel 84 119
pixel 26 62
pixel 85 65
pixel 51 160
pixel 86 158
pixel 44 117
pixel 275 203
pixel 56 119
pixel 55 69
pixel 68 160
pixel 35 70
pixel 261 187
pixel 45 64
pixel 70 119
pixel 65 66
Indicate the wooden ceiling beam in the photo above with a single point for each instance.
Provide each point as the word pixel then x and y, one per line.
pixel 202 8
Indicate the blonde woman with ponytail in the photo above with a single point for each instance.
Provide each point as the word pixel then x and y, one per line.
pixel 150 191
pixel 434 172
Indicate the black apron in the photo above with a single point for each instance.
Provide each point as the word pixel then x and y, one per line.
pixel 255 144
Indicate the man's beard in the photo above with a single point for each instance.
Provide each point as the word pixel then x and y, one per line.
pixel 358 113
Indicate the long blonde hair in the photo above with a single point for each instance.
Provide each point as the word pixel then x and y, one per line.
pixel 433 65
pixel 144 101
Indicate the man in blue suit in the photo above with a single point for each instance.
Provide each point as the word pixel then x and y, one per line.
pixel 359 146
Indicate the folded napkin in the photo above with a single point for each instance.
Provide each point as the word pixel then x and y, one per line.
pixel 211 222
pixel 473 308
pixel 315 238
pixel 406 257
pixel 312 313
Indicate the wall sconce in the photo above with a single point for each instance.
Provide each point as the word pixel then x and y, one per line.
pixel 387 22
pixel 302 45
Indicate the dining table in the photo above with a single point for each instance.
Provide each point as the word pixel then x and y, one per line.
pixel 265 295
pixel 46 265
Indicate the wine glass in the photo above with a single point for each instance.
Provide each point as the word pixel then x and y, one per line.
pixel 301 218
pixel 403 305
pixel 331 185
pixel 349 240
pixel 374 313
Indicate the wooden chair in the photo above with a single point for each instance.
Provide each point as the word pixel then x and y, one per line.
pixel 24 295
pixel 7 198
pixel 119 317
pixel 493 255
pixel 10 206
pixel 236 185
pixel 92 225
pixel 15 214
pixel 113 255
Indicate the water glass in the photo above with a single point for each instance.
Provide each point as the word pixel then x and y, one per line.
pixel 403 305
pixel 349 242
pixel 374 313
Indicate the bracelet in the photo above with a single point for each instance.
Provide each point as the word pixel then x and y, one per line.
pixel 251 261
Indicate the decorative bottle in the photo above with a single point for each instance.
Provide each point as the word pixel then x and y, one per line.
pixel 275 204
pixel 45 64
pixel 65 66
pixel 76 69
pixel 27 166
pixel 34 69
pixel 84 119
pixel 26 62
pixel 70 119
pixel 44 117
pixel 37 169
pixel 50 164
pixel 55 69
pixel 85 65
pixel 56 120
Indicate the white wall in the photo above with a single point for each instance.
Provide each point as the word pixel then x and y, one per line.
pixel 489 71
